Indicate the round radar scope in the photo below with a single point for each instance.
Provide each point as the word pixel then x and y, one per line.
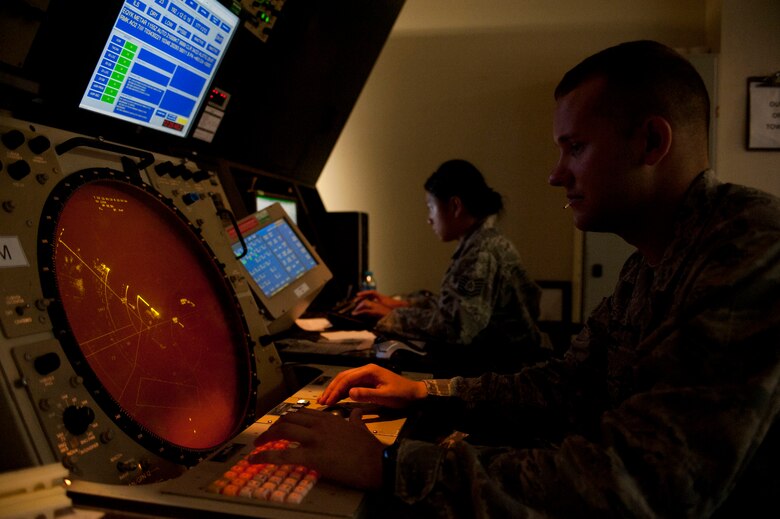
pixel 145 314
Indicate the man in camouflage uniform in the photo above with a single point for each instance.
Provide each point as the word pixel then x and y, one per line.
pixel 667 402
pixel 670 390
pixel 487 302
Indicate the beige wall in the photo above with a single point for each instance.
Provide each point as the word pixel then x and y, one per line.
pixel 749 46
pixel 475 80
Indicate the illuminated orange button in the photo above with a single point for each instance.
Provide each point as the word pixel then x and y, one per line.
pixel 230 490
pixel 278 496
pixel 295 497
pixel 262 493
pixel 304 486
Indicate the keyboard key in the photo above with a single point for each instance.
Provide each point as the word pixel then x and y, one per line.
pixel 286 483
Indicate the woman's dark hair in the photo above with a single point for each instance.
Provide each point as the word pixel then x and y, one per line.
pixel 460 178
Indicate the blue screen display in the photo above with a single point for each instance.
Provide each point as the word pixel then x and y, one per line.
pixel 275 257
pixel 158 62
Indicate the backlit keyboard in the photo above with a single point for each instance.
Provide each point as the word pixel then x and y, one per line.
pixel 225 483
pixel 266 481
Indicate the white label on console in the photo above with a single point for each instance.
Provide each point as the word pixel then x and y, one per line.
pixel 11 253
pixel 302 290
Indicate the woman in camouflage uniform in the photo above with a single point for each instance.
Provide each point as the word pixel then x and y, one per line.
pixel 484 317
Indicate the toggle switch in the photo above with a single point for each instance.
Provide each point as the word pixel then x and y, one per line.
pixel 12 139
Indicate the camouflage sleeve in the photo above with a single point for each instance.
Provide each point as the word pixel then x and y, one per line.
pixel 463 308
pixel 709 392
pixel 421 299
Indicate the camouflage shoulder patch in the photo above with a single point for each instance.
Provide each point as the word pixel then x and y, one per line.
pixel 470 287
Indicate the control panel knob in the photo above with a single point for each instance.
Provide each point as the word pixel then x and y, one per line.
pixel 128 466
pixel 78 419
pixel 39 144
pixel 47 363
pixel 12 139
pixel 200 175
pixel 69 462
pixel 106 436
pixel 190 198
pixel 163 168
pixel 18 170
pixel 179 171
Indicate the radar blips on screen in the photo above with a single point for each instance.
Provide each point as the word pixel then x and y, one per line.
pixel 128 353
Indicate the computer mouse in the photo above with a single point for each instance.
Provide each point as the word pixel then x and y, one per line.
pixel 388 348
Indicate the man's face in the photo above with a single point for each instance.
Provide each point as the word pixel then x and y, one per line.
pixel 599 165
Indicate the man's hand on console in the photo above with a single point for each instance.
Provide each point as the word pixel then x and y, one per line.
pixel 341 450
pixel 373 384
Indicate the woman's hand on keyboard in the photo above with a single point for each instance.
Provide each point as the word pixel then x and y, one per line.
pixel 377 297
pixel 374 304
pixel 341 450
pixel 371 308
pixel 373 384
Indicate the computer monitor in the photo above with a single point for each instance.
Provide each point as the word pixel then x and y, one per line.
pixel 286 272
pixel 288 203
pixel 158 62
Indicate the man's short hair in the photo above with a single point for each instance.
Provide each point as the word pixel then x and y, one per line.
pixel 644 78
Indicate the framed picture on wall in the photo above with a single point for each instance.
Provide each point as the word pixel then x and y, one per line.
pixel 763 113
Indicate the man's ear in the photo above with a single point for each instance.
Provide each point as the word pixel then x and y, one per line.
pixel 658 139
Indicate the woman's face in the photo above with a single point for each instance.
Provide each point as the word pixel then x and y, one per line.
pixel 441 217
